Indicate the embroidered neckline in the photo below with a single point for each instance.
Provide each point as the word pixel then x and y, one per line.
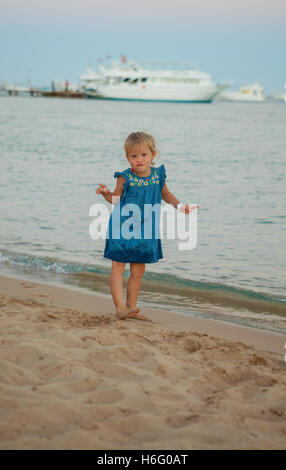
pixel 153 178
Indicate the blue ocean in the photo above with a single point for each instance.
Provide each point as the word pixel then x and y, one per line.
pixel 227 157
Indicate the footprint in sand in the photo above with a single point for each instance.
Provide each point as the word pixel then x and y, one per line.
pixel 26 285
pixel 39 295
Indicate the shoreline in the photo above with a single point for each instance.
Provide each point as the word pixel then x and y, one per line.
pixel 203 300
pixel 66 296
pixel 224 295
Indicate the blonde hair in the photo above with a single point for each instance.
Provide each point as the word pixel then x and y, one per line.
pixel 138 138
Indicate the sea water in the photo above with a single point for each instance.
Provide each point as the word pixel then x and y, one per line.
pixel 229 158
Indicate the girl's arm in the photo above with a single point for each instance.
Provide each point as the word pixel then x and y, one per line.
pixel 171 199
pixel 107 194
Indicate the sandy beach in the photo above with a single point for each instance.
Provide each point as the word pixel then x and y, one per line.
pixel 74 377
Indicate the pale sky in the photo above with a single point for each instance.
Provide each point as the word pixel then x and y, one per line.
pixel 236 10
pixel 239 40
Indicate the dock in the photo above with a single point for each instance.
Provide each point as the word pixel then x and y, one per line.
pixel 63 94
pixel 22 90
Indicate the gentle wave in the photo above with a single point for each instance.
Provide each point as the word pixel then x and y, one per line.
pixel 46 263
pixel 210 291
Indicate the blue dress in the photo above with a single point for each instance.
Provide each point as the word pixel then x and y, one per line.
pixel 133 233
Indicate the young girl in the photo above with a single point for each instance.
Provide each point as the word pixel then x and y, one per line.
pixel 140 184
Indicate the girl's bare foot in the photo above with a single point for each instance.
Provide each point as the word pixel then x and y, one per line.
pixel 127 312
pixel 138 316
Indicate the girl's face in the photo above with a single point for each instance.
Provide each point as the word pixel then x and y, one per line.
pixel 140 158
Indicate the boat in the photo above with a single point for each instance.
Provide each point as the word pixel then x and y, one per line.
pixel 247 93
pixel 127 80
pixel 91 81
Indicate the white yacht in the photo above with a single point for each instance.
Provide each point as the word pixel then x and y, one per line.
pixel 91 81
pixel 126 80
pixel 250 93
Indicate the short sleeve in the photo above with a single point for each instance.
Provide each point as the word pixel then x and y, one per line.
pixel 121 173
pixel 163 176
pixel 118 173
pixel 125 184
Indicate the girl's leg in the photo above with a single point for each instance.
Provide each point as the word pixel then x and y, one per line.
pixel 133 286
pixel 116 287
pixel 116 284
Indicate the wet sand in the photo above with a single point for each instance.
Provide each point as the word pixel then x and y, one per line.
pixel 74 377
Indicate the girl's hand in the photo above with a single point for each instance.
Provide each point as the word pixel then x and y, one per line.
pixel 103 189
pixel 188 208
